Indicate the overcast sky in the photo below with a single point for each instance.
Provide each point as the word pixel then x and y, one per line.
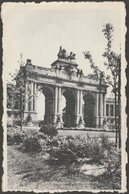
pixel 38 30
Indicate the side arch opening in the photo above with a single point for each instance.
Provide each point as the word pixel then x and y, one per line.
pixel 89 110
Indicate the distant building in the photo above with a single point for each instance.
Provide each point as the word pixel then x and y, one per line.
pixel 110 112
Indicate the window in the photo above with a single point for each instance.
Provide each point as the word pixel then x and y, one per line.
pixel 29 106
pixel 107 109
pixel 111 110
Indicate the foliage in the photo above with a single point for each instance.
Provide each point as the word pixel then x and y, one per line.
pixel 49 130
pixel 15 136
pixel 113 62
pixel 16 92
pixel 72 149
pixel 31 142
pixel 106 143
pixel 64 152
pixel 112 163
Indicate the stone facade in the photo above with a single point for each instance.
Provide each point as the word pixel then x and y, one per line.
pixel 64 78
pixel 110 112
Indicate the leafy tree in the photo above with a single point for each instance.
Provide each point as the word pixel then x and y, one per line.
pixel 17 93
pixel 112 64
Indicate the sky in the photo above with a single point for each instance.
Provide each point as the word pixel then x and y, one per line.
pixel 38 30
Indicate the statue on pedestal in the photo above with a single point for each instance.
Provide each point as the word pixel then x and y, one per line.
pixel 29 120
pixel 81 124
pixel 62 54
pixel 59 122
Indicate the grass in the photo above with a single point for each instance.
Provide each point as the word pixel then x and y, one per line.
pixel 85 133
pixel 33 172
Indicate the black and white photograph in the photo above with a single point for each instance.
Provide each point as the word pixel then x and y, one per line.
pixel 64 96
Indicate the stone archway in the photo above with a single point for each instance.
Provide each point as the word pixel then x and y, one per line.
pixel 49 105
pixel 69 110
pixel 89 106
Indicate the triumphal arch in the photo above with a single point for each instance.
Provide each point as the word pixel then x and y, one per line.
pixel 85 95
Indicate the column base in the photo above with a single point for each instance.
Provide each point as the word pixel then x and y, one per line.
pixel 80 122
pixel 58 122
pixel 99 121
pixel 29 124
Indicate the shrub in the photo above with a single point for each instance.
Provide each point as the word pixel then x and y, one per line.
pixel 17 123
pixel 98 148
pixel 31 142
pixel 71 149
pixel 112 163
pixel 49 130
pixel 15 136
pixel 67 150
pixel 106 142
pixel 96 151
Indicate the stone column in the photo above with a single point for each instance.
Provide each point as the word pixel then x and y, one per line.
pixel 55 104
pixel 59 123
pixel 56 99
pixel 81 100
pixel 26 97
pixel 101 109
pixel 104 105
pixel 81 123
pixel 97 110
pixel 32 96
pixel 35 96
pixel 60 100
pixel 77 108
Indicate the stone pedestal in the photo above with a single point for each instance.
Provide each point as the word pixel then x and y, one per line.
pixel 59 122
pixel 81 123
pixel 29 124
pixel 29 121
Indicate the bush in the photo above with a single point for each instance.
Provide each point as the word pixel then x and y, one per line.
pixel 67 150
pixel 49 130
pixel 106 142
pixel 15 136
pixel 73 149
pixel 112 163
pixel 17 123
pixel 31 142
pixel 98 148
pixel 95 150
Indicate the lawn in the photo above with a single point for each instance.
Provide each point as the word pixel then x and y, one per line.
pixel 39 162
pixel 32 172
pixel 85 133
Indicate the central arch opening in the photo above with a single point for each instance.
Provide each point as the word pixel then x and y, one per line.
pixel 69 109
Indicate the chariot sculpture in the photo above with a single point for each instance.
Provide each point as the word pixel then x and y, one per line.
pixel 62 54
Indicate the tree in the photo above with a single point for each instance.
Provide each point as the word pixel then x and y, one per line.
pixel 18 92
pixel 112 64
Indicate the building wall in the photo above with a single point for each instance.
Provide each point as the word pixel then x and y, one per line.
pixel 110 112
